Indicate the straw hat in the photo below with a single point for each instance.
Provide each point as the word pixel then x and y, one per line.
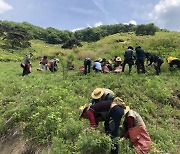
pixel 97 93
pixel 118 59
pixel 126 110
pixel 57 60
pixel 100 59
pixel 82 108
pixel 119 101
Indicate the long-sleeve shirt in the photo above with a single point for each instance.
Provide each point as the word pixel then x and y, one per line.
pixel 128 54
pixel 155 59
pixel 132 119
pixel 97 65
pixel 130 124
pixel 95 110
pixel 140 53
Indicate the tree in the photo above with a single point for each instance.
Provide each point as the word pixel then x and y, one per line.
pixel 17 37
pixel 71 43
pixel 149 29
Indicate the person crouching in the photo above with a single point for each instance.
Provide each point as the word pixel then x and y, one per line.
pixel 135 130
pixel 113 112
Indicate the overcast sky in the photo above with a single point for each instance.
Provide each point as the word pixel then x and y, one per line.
pixel 79 14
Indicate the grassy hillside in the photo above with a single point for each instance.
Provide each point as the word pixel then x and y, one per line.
pixel 43 106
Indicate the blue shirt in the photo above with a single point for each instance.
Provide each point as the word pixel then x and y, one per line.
pixel 97 65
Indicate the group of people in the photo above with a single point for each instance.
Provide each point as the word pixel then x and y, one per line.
pixel 130 58
pixel 45 64
pixel 107 108
pixel 103 65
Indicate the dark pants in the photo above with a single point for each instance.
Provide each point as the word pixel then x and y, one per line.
pixel 157 66
pixel 174 62
pixel 129 62
pixel 53 66
pixel 26 70
pixel 140 65
pixel 116 114
pixel 87 66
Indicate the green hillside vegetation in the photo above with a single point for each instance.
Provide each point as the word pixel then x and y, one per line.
pixel 43 106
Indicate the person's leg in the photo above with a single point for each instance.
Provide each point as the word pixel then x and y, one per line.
pixel 171 66
pixel 106 127
pixel 159 66
pixel 123 65
pixel 55 66
pixel 26 70
pixel 142 65
pixel 85 67
pixel 116 114
pixel 89 66
pixel 138 66
pixel 130 68
pixel 156 69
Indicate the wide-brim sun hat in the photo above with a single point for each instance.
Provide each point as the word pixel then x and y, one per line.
pixel 57 60
pixel 82 108
pixel 100 59
pixel 118 59
pixel 97 93
pixel 119 101
pixel 126 110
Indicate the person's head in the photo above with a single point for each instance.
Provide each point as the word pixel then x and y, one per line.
pixel 138 47
pixel 45 57
pixel 130 47
pixel 97 93
pixel 82 110
pixel 104 60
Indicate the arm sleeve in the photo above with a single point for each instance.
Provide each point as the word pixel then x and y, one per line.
pixel 91 117
pixel 130 123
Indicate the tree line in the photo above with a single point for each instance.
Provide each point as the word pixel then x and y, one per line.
pixel 19 34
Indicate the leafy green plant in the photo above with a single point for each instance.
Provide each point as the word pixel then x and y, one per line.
pixel 94 142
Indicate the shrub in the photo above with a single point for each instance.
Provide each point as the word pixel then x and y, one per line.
pixel 93 142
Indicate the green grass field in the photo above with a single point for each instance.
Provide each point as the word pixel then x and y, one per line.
pixel 43 106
